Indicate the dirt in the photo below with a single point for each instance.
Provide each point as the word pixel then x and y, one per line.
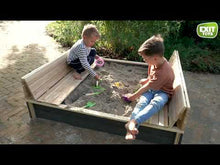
pixel 117 79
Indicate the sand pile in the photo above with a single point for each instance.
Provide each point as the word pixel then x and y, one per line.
pixel 117 79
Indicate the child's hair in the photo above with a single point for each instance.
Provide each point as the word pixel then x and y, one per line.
pixel 153 45
pixel 89 30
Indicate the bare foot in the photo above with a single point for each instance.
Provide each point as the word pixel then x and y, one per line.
pixel 130 136
pixel 77 75
pixel 130 126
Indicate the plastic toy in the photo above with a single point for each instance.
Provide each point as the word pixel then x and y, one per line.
pixel 99 62
pixel 125 98
pixel 89 104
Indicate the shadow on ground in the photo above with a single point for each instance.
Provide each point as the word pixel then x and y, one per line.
pixel 14 118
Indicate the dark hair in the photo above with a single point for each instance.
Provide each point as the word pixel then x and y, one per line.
pixel 153 45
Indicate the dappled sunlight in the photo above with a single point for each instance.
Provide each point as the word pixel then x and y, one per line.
pixel 24 46
pixel 17 36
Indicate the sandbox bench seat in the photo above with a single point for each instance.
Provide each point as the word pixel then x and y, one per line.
pixel 46 88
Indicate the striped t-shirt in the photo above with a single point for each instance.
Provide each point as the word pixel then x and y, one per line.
pixel 80 51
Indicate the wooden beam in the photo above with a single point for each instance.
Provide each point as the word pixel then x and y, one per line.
pixel 125 62
pixel 102 124
pixel 31 110
pixel 57 93
pixel 162 119
pixel 177 104
pixel 185 115
pixel 38 71
pixel 155 119
pixel 177 138
pixel 26 89
pixel 102 115
pixel 61 90
pixel 166 118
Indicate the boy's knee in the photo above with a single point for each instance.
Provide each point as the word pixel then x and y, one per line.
pixel 141 104
pixel 91 60
pixel 158 103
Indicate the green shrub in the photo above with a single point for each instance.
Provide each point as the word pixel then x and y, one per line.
pixel 66 32
pixel 125 37
pixel 121 39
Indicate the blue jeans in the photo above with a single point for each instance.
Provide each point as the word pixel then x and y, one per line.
pixel 150 103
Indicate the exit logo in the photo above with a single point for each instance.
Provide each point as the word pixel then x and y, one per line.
pixel 207 30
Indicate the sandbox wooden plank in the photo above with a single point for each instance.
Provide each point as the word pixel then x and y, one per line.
pixel 63 88
pixel 44 83
pixel 58 92
pixel 177 104
pixel 161 117
pixel 34 75
pixel 125 62
pixel 103 124
pixel 154 119
pixel 166 119
pixel 109 116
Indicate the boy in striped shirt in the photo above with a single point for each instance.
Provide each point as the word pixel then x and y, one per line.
pixel 81 55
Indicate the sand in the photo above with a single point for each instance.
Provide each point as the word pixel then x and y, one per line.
pixel 117 79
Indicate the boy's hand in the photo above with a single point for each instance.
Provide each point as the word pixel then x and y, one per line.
pixel 96 57
pixel 97 77
pixel 130 96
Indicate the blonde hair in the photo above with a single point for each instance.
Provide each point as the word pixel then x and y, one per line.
pixel 90 30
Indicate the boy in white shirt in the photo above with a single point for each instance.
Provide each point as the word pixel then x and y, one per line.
pixel 81 55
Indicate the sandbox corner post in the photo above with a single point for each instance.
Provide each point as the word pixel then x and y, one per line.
pixel 31 110
pixel 28 95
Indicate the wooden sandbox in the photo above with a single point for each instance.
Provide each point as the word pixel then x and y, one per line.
pixel 47 87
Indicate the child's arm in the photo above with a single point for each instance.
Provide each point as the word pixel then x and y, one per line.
pixel 86 65
pixel 138 93
pixel 143 81
pixel 97 77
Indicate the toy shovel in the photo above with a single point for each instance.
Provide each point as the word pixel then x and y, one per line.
pixel 89 104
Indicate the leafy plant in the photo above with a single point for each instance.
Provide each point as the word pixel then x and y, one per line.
pixel 121 39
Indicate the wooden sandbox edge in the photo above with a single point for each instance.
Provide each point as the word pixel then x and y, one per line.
pixel 125 62
pixel 108 116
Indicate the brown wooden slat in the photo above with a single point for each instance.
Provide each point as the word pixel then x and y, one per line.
pixel 154 119
pixel 38 72
pixel 47 75
pixel 125 62
pixel 49 80
pixel 177 103
pixel 44 77
pixel 161 117
pixel 166 118
pixel 63 88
